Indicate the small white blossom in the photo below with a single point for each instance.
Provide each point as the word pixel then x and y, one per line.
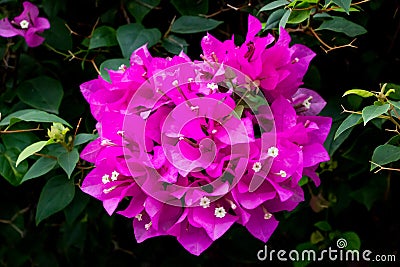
pixel 212 86
pixel 194 108
pixel 214 131
pixel 307 103
pixel 295 60
pixel 114 175
pixel 267 215
pixel 205 202
pixel 105 179
pixel 282 174
pixel 273 151
pixel 122 67
pixel 257 166
pixel 220 212
pixel 175 83
pixel 139 217
pixel 24 24
pixel 148 225
pixel 107 142
pixel 108 190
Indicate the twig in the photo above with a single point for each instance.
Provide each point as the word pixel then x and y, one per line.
pixel 327 48
pixel 13 218
pixel 20 131
pixel 170 27
pixel 383 168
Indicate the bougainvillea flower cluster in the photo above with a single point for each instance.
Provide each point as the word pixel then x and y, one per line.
pixel 28 25
pixel 189 148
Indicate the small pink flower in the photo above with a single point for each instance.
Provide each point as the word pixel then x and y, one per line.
pixel 28 25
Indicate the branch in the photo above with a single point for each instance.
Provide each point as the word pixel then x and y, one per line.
pixel 383 168
pixel 327 48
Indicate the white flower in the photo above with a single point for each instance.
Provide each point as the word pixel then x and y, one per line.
pixel 212 86
pixel 114 175
pixel 108 190
pixel 257 166
pixel 205 202
pixel 282 174
pixel 220 212
pixel 24 24
pixel 148 225
pixel 139 217
pixel 307 103
pixel 121 133
pixel 107 142
pixel 273 151
pixel 267 216
pixel 175 83
pixel 105 179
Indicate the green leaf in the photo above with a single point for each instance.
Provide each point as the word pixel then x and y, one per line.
pixel 53 7
pixel 58 36
pixel 316 237
pixel 323 226
pixel 371 192
pixel 274 19
pixel 372 112
pixel 32 115
pixel 284 19
pixel 84 138
pixel 208 188
pixel 19 140
pixel 190 7
pixel 8 169
pixel 396 94
pixel 111 64
pixel 57 193
pixel 298 16
pixel 274 5
pixel 39 168
pixel 68 160
pixel 194 24
pixel 359 92
pixel 345 4
pixel 353 240
pixel 174 44
pixel 385 154
pixel 32 149
pixel 75 208
pixel 396 104
pixel 351 121
pixel 43 93
pixel 339 24
pixel 103 36
pixel 139 9
pixel 132 36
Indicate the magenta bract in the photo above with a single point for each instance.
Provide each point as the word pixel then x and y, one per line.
pixel 28 25
pixel 194 147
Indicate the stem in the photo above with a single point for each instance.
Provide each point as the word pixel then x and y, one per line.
pixel 55 50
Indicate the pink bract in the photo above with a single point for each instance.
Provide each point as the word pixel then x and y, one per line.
pixel 28 25
pixel 192 147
